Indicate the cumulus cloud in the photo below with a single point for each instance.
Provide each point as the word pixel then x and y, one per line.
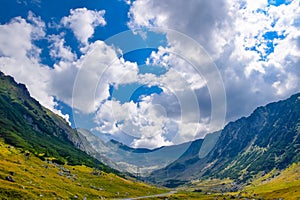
pixel 197 19
pixel 171 117
pixel 259 65
pixel 153 122
pixel 254 45
pixel 20 33
pixel 20 57
pixel 19 50
pixel 144 121
pixel 99 68
pixel 83 22
pixel 82 83
pixel 59 51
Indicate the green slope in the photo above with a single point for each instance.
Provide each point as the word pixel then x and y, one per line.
pixel 24 123
pixel 32 178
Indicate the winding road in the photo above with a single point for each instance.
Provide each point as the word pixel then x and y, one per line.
pixel 151 196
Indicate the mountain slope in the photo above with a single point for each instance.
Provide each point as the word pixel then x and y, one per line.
pixel 269 138
pixel 24 177
pixel 277 184
pixel 24 123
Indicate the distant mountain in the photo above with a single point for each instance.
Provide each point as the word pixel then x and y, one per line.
pixel 130 149
pixel 136 161
pixel 24 123
pixel 269 138
pixel 196 150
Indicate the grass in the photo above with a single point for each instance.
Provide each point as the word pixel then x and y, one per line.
pixel 286 185
pixel 274 185
pixel 36 179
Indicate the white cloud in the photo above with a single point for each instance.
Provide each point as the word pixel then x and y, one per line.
pixel 226 29
pixel 59 51
pixel 150 142
pixel 180 72
pixel 229 31
pixel 197 19
pixel 82 83
pixel 83 22
pixel 20 57
pixel 289 82
pixel 91 74
pixel 145 120
pixel 274 77
pixel 99 68
pixel 254 5
pixel 158 120
pixel 21 33
pixel 128 2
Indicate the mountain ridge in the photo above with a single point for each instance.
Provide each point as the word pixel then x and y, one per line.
pixel 267 139
pixel 250 151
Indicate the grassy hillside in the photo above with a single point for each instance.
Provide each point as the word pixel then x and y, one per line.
pixel 274 185
pixel 285 184
pixel 28 177
pixel 26 124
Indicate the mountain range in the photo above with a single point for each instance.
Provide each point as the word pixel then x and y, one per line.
pixel 268 139
pixel 244 151
pixel 123 158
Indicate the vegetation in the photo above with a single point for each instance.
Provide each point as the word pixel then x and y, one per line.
pixel 276 184
pixel 24 123
pixel 32 178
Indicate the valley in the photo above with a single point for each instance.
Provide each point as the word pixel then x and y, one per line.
pixel 42 157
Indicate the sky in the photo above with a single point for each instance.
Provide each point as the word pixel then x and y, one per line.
pixel 152 73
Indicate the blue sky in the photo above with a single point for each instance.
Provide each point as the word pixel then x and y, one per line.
pixel 152 73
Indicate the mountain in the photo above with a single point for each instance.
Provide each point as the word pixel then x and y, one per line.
pixel 130 149
pixel 268 139
pixel 123 158
pixel 197 149
pixel 25 124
